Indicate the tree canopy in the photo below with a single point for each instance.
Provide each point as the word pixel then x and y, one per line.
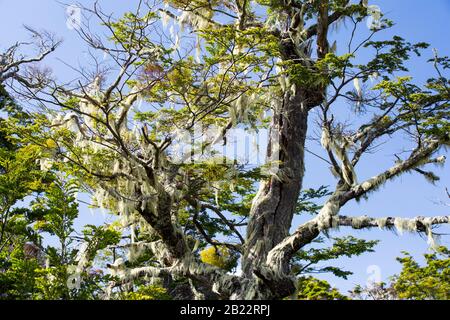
pixel 150 131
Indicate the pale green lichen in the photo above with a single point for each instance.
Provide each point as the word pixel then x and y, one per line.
pixel 402 225
pixel 381 222
pixel 325 139
pixel 360 222
pixel 327 217
pixel 432 240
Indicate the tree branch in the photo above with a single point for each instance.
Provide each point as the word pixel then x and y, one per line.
pixel 419 223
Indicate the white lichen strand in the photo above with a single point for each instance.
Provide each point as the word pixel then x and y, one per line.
pixel 439 161
pixel 325 139
pixel 116 167
pixel 165 18
pixel 432 239
pixel 381 222
pixel 136 250
pixel 100 198
pixel 402 225
pixel 198 51
pixel 373 183
pixel 46 164
pixel 357 86
pixel 326 215
pixel 82 257
pixel 117 268
pixel 339 145
pixel 360 222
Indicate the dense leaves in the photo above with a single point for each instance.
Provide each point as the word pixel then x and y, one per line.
pixel 431 281
pixel 310 288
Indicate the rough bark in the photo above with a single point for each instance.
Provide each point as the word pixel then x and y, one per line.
pixel 273 207
pixel 161 222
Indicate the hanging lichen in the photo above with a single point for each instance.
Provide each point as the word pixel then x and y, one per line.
pixel 325 139
pixel 403 225
pixel 432 239
pixel 381 222
pixel 360 222
pixel 327 217
pixel 165 18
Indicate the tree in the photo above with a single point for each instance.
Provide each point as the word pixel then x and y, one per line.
pixel 415 282
pixel 19 174
pixel 306 261
pixel 32 270
pixel 310 288
pixel 15 65
pixel 35 199
pixel 375 291
pixel 431 281
pixel 254 65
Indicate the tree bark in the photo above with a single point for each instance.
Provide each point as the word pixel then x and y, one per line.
pixel 273 207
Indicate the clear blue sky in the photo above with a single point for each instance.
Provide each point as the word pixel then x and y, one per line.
pixel 407 196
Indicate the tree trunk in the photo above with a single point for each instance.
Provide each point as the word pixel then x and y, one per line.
pixel 273 207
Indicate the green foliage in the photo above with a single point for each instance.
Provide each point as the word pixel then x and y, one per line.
pixel 151 292
pixel 309 261
pixel 305 202
pixel 222 42
pixel 56 210
pixel 128 27
pixel 427 107
pixel 6 102
pixel 17 274
pixel 51 283
pixel 310 288
pixel 219 256
pixel 51 211
pixel 391 55
pixel 431 281
pixel 376 291
pixel 98 238
pixel 326 69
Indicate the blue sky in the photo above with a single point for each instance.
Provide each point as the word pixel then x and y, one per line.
pixel 407 196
